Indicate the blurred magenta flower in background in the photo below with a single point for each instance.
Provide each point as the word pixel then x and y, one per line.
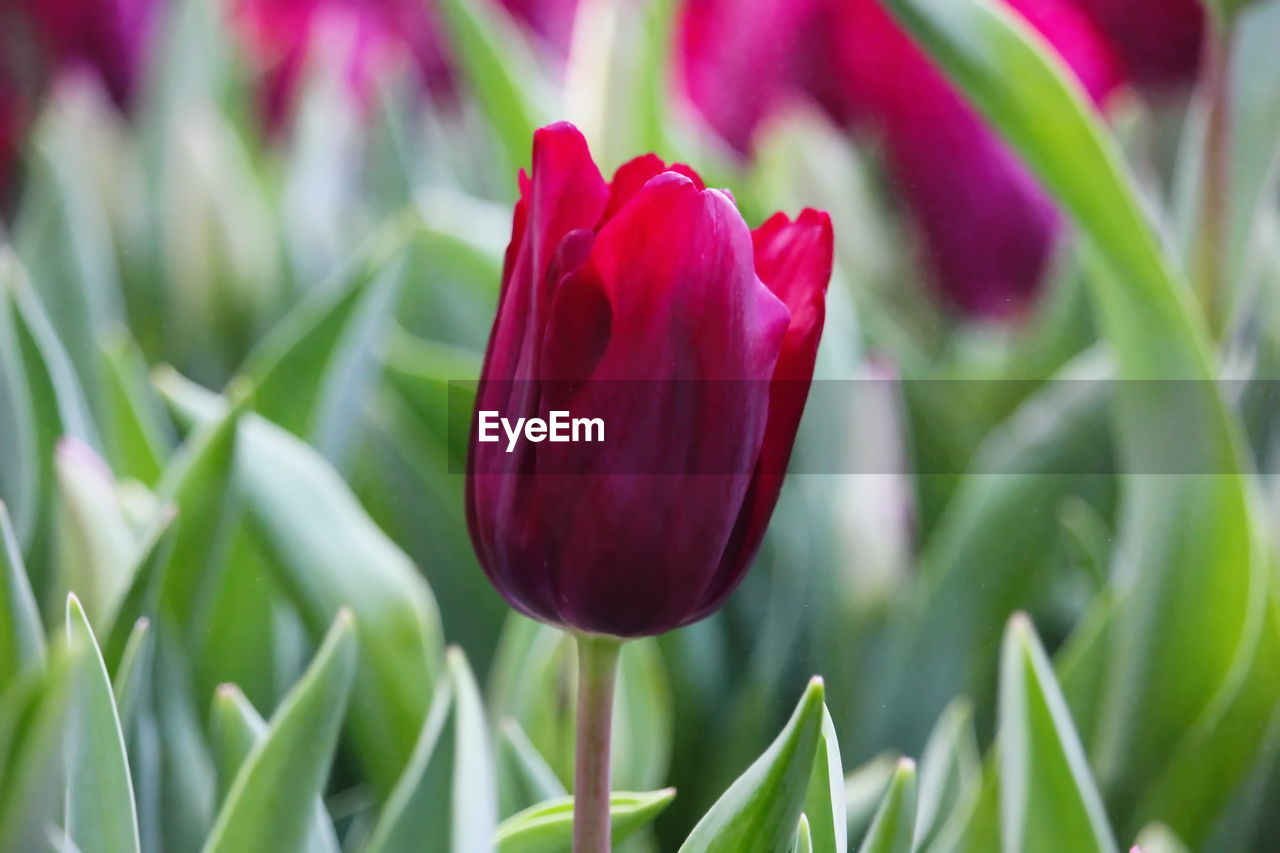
pixel 108 40
pixel 649 279
pixel 1157 41
pixel 368 37
pixel 987 229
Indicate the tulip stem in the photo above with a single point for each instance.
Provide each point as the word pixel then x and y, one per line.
pixel 597 673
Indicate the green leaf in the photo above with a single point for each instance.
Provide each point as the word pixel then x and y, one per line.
pixel 950 773
pixel 761 809
pixel 236 730
pixel 270 805
pixel 139 442
pixel 21 634
pixel 198 481
pixel 548 827
pixel 501 72
pixel 448 793
pixel 1187 550
pixel 132 677
pixel 19 468
pixel 296 366
pixel 804 839
pixel 140 600
pixel 893 827
pixel 824 806
pixel 63 237
pixel 35 709
pixel 864 788
pixel 1205 773
pixel 326 554
pixel 96 544
pixel 1048 798
pixel 524 776
pixel 101 815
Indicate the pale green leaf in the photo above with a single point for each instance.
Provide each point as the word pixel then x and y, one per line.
pixel 548 827
pixel 761 809
pixel 270 805
pixel 101 815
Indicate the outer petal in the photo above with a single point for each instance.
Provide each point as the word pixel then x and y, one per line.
pixel 683 386
pixel 1158 41
pixel 565 193
pixel 794 259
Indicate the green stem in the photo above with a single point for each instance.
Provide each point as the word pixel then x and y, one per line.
pixel 597 672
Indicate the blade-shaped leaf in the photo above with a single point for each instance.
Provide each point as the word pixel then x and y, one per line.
pixel 326 554
pixel 804 837
pixel 141 598
pixel 447 797
pixel 35 710
pixel 101 815
pixel 132 677
pixel 824 806
pixel 548 827
pixel 96 542
pixel 1048 798
pixel 295 364
pixel 864 788
pixel 894 824
pixel 761 809
pixel 270 805
pixel 950 772
pixel 137 434
pixel 236 730
pixel 21 634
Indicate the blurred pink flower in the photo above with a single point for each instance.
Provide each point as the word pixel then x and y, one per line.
pixel 987 230
pixel 370 37
pixel 39 39
pixel 1158 41
pixel 109 38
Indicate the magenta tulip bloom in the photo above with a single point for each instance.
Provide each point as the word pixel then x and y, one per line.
pixel 646 302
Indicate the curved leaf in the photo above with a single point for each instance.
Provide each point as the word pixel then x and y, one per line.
pixel 894 824
pixel 101 815
pixel 1047 796
pixel 548 827
pixel 761 809
pixel 327 554
pixel 21 634
pixel 270 805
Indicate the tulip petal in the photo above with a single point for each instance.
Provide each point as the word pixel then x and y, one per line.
pixel 794 259
pixel 684 384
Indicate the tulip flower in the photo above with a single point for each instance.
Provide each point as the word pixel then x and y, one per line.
pixel 645 302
